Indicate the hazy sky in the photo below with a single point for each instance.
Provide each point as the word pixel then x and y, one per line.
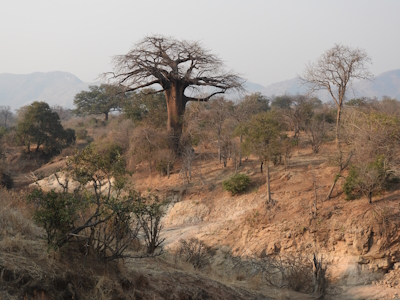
pixel 265 41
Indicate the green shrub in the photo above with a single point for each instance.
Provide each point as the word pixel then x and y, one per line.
pixel 70 137
pixel 236 184
pixel 56 213
pixel 6 180
pixel 350 185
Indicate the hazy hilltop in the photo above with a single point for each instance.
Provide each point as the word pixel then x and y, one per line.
pixel 56 87
pixel 385 84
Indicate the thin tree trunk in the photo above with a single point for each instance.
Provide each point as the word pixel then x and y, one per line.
pixel 106 116
pixel 268 185
pixel 240 150
pixel 337 126
pixel 331 190
pixel 315 194
pixel 219 150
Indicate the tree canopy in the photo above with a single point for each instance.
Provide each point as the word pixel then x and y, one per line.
pixel 98 100
pixel 40 125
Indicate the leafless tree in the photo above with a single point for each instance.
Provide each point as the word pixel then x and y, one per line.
pixel 64 113
pixel 178 67
pixel 333 72
pixel 6 113
pixel 219 112
pixel 317 130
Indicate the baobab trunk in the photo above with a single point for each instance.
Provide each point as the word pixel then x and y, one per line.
pixel 176 102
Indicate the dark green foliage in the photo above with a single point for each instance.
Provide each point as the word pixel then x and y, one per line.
pixel 283 102
pixel 350 184
pixel 55 212
pixel 6 181
pixel 98 100
pixel 40 125
pixel 238 183
pixel 69 136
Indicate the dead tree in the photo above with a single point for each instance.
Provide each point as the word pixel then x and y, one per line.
pixel 177 67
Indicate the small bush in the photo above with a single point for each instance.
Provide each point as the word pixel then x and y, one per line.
pixel 238 183
pixel 56 212
pixel 195 252
pixel 6 181
pixel 350 184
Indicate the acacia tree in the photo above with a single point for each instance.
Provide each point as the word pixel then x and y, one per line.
pixel 178 67
pixel 333 72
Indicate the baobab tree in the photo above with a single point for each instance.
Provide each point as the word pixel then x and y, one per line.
pixel 333 72
pixel 175 67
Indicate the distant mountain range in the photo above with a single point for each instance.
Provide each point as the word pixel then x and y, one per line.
pixel 60 88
